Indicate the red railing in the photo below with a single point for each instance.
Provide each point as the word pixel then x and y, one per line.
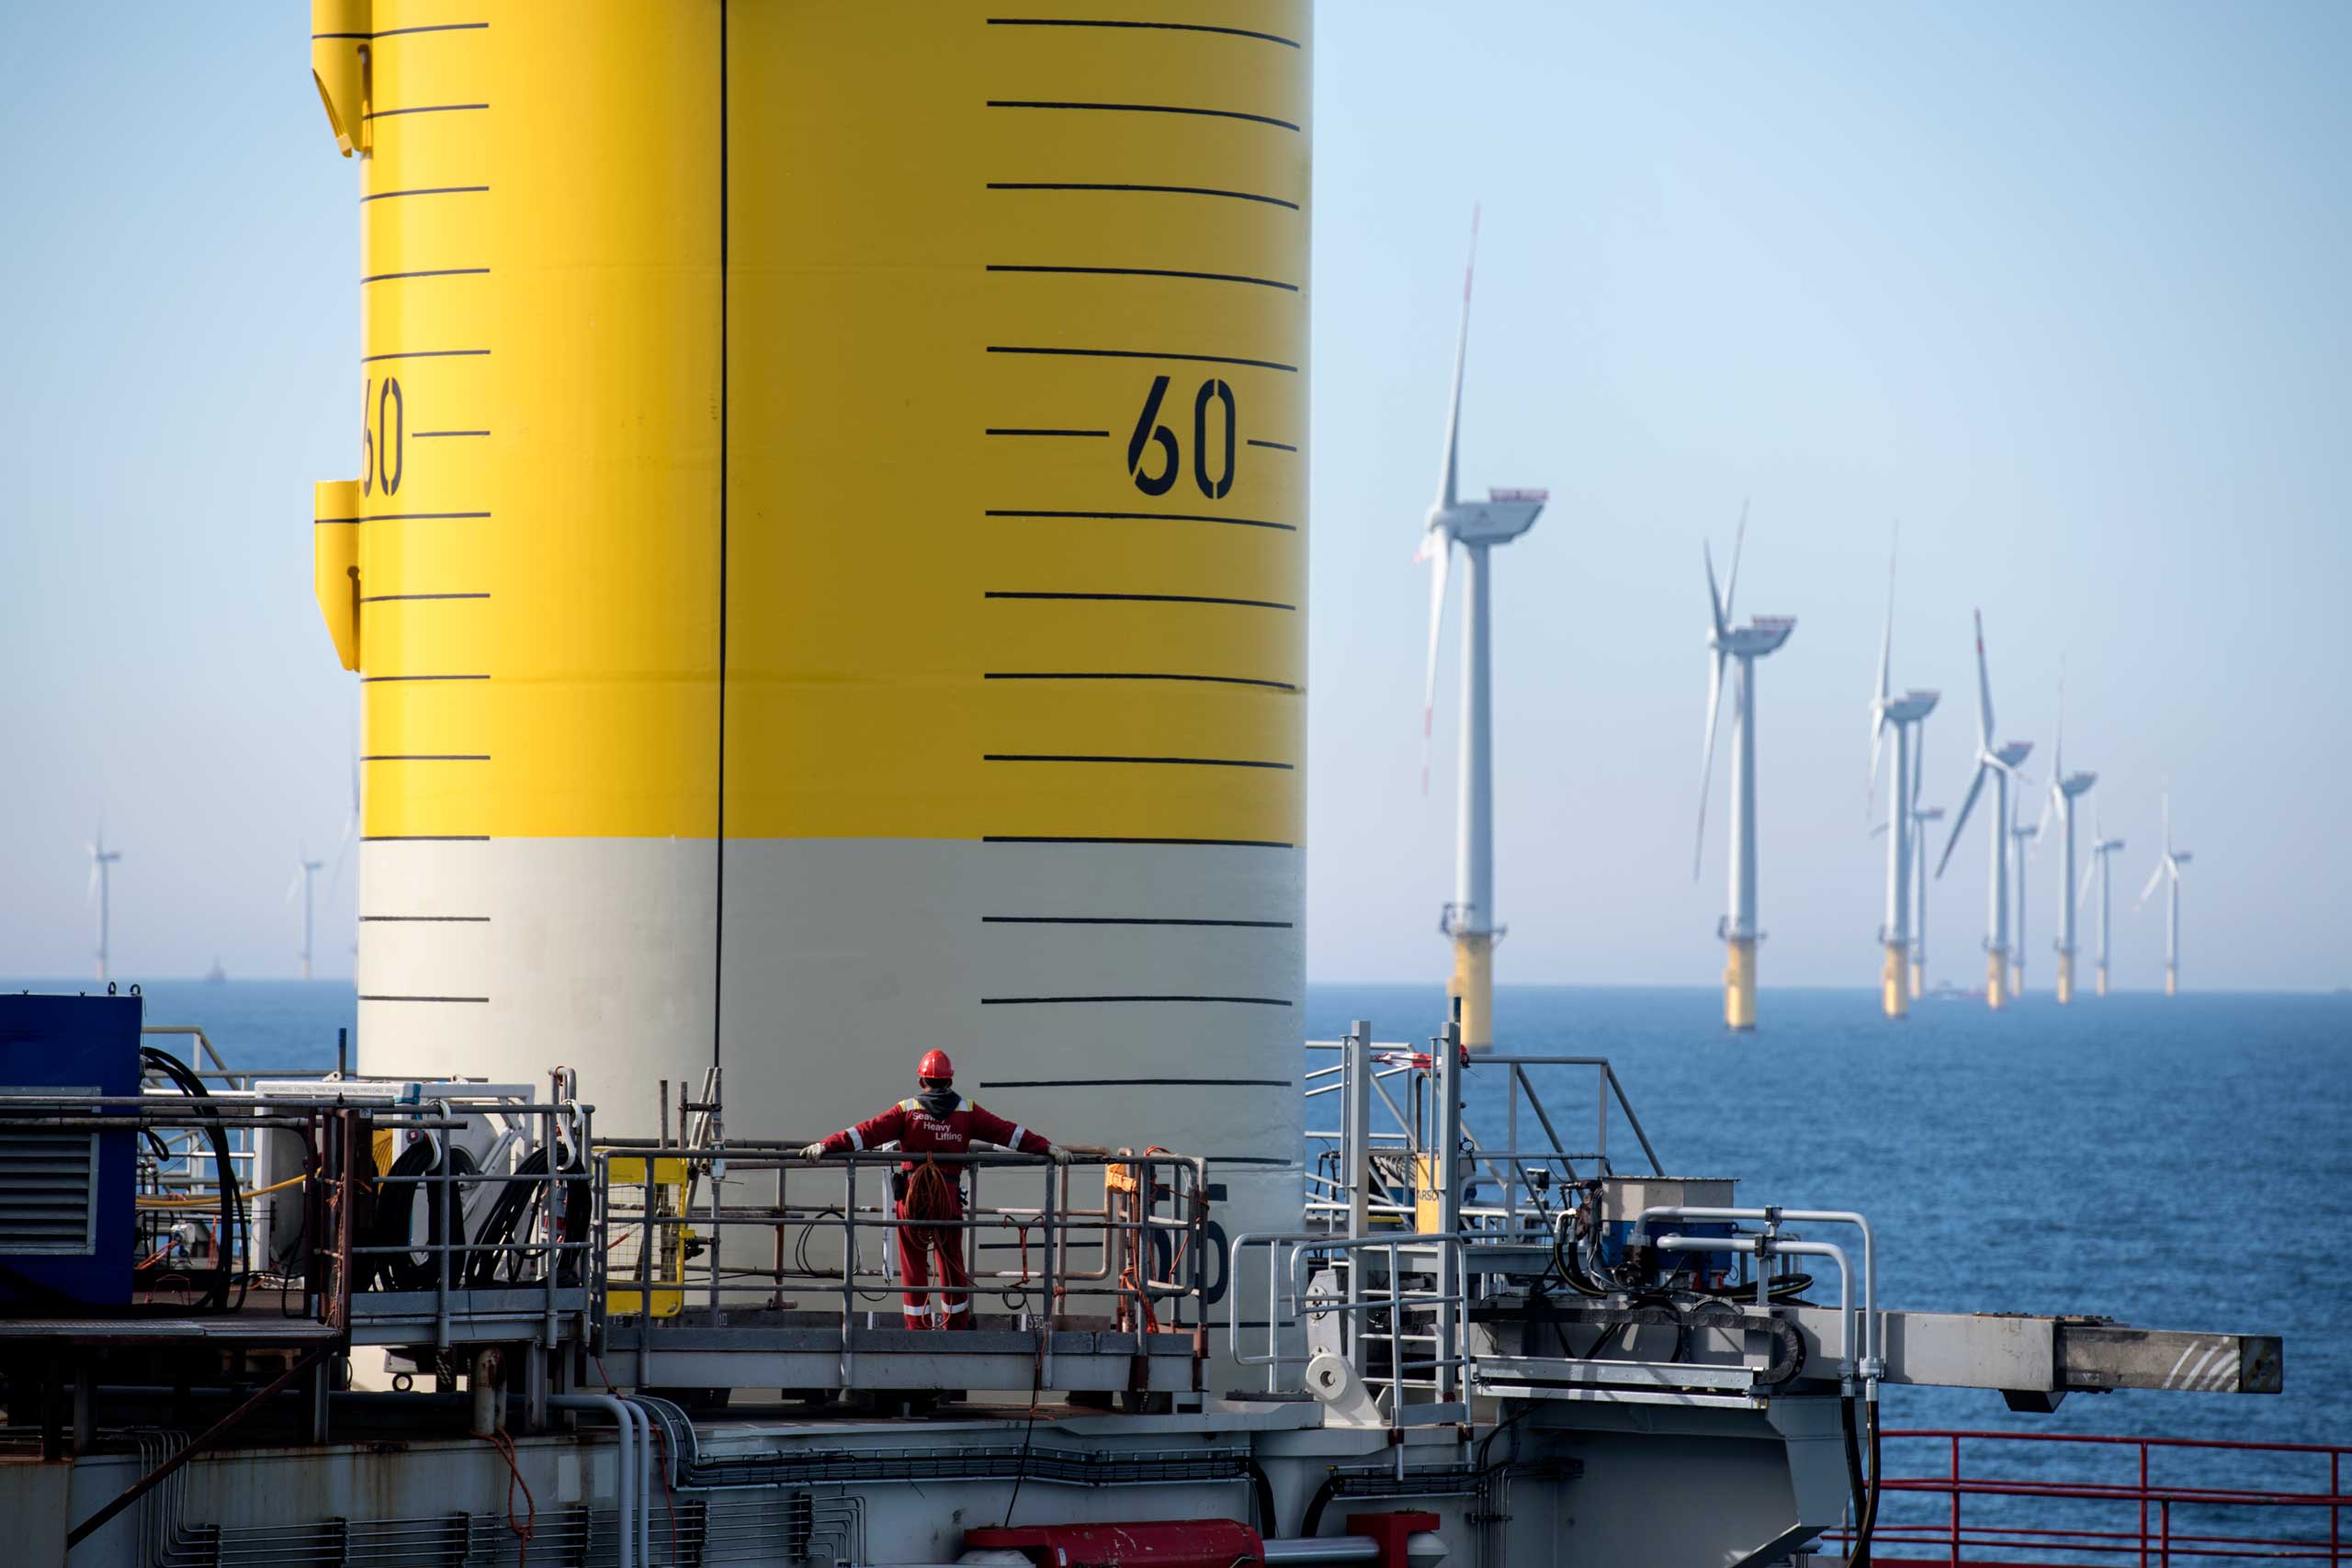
pixel 2151 1516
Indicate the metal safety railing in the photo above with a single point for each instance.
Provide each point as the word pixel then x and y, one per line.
pixel 1367 1169
pixel 691 1234
pixel 2019 1499
pixel 1402 1325
pixel 517 1218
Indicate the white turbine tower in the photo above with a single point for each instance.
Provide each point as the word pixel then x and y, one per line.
pixel 1477 526
pixel 2103 850
pixel 2065 787
pixel 102 861
pixel 306 871
pixel 1761 635
pixel 2168 868
pixel 1921 816
pixel 2022 839
pixel 2001 763
pixel 1904 713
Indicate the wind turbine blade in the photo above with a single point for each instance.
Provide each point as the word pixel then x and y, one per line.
pixel 1715 594
pixel 1707 758
pixel 1984 691
pixel 1877 701
pixel 2049 802
pixel 2090 875
pixel 1975 787
pixel 1446 493
pixel 1441 564
pixel 2154 877
pixel 2167 798
pixel 1731 584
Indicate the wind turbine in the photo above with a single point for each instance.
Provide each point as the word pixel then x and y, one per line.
pixel 306 871
pixel 2064 789
pixel 2168 867
pixel 1905 715
pixel 2000 762
pixel 1477 526
pixel 2102 851
pixel 102 858
pixel 1761 635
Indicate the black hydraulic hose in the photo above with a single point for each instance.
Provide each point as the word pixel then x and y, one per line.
pixel 1870 1412
pixel 224 1168
pixel 1312 1520
pixel 1860 1557
pixel 1262 1490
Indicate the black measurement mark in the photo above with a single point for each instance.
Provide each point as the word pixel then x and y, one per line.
pixel 1139 1083
pixel 424 837
pixel 1122 920
pixel 1156 761
pixel 1158 190
pixel 1140 108
pixel 1105 839
pixel 364 680
pixel 422 108
pixel 1273 446
pixel 1150 517
pixel 397 32
pixel 425 190
pixel 397 598
pixel 430 272
pixel 430 434
pixel 403 517
pixel 426 354
pixel 428 757
pixel 1156 272
pixel 1054 1001
pixel 385 999
pixel 997 431
pixel 1144 599
pixel 1154 27
pixel 1140 353
pixel 1132 675
pixel 452 920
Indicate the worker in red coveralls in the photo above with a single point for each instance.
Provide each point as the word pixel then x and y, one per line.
pixel 937 1120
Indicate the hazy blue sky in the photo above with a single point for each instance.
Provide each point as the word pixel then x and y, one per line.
pixel 2062 287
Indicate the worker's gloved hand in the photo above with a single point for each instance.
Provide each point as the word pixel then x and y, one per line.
pixel 1057 1154
pixel 812 1153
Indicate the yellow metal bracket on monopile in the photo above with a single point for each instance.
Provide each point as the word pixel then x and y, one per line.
pixel 334 562
pixel 341 40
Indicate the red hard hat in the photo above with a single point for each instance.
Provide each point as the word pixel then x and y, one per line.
pixel 935 1064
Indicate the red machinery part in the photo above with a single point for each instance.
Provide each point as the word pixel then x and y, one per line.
pixel 1160 1543
pixel 1391 1530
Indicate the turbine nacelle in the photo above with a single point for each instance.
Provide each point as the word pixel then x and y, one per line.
pixel 2008 755
pixel 1503 516
pixel 1761 635
pixel 1929 814
pixel 2074 784
pixel 1910 707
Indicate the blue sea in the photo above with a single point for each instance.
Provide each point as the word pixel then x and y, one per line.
pixel 2182 1163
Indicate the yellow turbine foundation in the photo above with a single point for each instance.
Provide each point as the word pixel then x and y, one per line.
pixel 1891 988
pixel 1996 979
pixel 2102 979
pixel 1739 983
pixel 2065 979
pixel 1472 986
pixel 1918 980
pixel 2172 981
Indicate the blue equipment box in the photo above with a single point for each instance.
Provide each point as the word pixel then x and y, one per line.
pixel 67 1198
